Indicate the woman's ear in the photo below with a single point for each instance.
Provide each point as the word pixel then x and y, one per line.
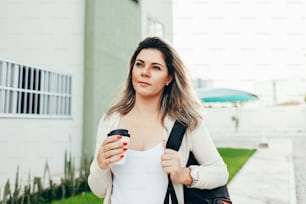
pixel 169 80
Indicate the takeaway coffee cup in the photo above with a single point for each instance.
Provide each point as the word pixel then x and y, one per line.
pixel 125 138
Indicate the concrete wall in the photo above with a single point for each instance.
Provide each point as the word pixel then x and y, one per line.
pixel 112 34
pixel 257 121
pixel 48 36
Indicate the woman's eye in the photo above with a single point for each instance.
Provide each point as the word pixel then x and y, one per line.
pixel 156 67
pixel 138 64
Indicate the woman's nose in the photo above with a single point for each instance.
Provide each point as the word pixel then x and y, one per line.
pixel 145 71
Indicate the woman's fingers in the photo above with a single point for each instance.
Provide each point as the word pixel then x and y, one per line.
pixel 115 145
pixel 170 151
pixel 111 139
pixel 170 154
pixel 114 159
pixel 111 151
pixel 170 166
pixel 114 152
pixel 170 161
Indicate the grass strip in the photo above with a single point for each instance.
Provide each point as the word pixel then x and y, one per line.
pixel 235 159
pixel 83 198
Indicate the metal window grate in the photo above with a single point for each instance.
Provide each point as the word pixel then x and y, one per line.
pixel 33 92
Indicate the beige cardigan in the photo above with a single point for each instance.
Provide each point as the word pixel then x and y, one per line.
pixel 212 171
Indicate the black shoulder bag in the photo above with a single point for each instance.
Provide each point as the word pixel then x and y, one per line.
pixel 218 195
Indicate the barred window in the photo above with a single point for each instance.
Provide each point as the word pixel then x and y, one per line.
pixel 28 91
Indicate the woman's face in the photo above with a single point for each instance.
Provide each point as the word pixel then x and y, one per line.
pixel 150 73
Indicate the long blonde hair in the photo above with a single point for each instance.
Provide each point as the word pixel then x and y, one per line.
pixel 178 100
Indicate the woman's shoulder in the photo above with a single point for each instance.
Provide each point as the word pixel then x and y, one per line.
pixel 110 118
pixel 200 128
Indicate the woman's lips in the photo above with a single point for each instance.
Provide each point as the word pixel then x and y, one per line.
pixel 143 83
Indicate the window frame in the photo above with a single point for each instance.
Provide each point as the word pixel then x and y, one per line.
pixel 28 92
pixel 155 27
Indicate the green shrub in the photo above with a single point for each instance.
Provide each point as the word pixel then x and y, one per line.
pixel 36 193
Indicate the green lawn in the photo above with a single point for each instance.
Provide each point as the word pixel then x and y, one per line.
pixel 234 158
pixel 84 198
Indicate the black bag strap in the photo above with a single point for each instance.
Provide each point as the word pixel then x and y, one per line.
pixel 174 142
pixel 176 136
pixel 170 192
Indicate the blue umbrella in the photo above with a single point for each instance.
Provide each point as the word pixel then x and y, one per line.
pixel 225 95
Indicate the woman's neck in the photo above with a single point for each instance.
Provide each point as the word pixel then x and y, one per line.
pixel 147 107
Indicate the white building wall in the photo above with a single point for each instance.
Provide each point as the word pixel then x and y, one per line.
pixel 48 35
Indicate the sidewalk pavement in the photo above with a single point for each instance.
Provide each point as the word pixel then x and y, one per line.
pixel 267 177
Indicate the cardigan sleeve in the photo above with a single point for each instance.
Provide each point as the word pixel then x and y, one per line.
pixel 99 180
pixel 212 169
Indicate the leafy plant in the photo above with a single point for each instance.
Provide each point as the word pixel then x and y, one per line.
pixel 37 193
pixel 17 188
pixel 6 193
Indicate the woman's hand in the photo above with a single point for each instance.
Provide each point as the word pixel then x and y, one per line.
pixel 111 151
pixel 171 164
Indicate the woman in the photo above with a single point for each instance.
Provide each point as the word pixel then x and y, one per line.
pixel 157 93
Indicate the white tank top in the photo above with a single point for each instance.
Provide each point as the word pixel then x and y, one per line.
pixel 141 179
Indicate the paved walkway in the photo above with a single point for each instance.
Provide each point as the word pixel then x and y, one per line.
pixel 269 175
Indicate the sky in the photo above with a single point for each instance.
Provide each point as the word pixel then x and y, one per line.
pixel 241 40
